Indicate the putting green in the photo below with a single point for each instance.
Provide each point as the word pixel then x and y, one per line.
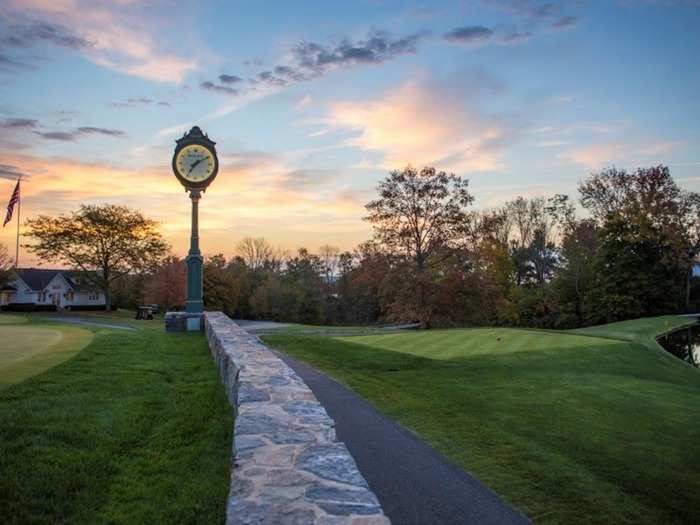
pixel 27 350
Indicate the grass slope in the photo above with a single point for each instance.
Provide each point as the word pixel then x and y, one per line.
pixel 27 350
pixel 569 428
pixel 135 428
pixel 641 331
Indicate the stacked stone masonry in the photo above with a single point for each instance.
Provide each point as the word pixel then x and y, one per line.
pixel 288 466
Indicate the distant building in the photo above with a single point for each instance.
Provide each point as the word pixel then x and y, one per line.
pixel 61 288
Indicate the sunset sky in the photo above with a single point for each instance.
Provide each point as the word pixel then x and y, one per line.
pixel 312 103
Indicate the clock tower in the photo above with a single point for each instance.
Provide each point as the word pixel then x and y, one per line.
pixel 195 165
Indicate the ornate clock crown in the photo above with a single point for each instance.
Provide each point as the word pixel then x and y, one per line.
pixel 195 135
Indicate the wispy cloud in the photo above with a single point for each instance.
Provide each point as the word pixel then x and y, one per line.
pixel 77 133
pixel 31 34
pixel 257 186
pixel 210 86
pixel 18 123
pixel 565 21
pixel 516 37
pixel 534 14
pixel 469 34
pixel 116 35
pixel 138 101
pixel 526 8
pixel 422 123
pixel 230 79
pixel 309 60
pixel 620 153
pixel 10 172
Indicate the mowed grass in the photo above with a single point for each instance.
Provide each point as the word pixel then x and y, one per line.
pixel 568 428
pixel 133 428
pixel 640 331
pixel 27 350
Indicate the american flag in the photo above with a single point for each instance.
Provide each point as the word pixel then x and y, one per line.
pixel 11 205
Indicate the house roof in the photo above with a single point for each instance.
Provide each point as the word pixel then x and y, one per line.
pixel 78 281
pixel 39 278
pixel 36 278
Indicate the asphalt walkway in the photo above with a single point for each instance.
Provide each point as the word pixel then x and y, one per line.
pixel 414 483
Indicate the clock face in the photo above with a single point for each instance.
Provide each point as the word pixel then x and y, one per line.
pixel 195 163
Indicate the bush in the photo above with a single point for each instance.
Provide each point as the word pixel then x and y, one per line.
pixel 28 307
pixel 90 307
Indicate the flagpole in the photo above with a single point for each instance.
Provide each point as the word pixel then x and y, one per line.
pixel 19 209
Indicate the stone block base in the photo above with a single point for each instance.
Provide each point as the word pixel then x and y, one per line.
pixel 184 322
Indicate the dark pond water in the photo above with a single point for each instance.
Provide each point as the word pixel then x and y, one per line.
pixel 684 344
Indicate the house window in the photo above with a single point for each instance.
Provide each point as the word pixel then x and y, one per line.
pixel 68 296
pixel 42 297
pixel 93 296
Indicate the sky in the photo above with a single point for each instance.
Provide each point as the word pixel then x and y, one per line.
pixel 312 103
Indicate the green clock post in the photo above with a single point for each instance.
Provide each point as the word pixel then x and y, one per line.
pixel 195 165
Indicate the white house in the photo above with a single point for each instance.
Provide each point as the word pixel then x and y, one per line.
pixel 62 288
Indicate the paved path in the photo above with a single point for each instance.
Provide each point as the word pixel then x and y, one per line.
pixel 79 321
pixel 414 483
pixel 259 325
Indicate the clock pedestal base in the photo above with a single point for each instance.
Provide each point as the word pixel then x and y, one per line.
pixel 184 322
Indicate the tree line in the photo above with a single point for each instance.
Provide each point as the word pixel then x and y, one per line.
pixel 627 252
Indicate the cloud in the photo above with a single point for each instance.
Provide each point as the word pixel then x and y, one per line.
pixel 77 133
pixel 254 195
pixel 303 102
pixel 138 101
pixel 306 179
pixel 229 79
pixel 10 172
pixel 29 35
pixel 208 85
pixel 469 34
pixel 525 8
pixel 422 123
pixel 516 37
pixel 308 60
pixel 120 35
pixel 534 13
pixel 601 154
pixel 87 130
pixel 566 21
pixel 18 123
pixel 378 47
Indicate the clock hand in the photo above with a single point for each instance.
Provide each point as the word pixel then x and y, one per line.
pixel 195 164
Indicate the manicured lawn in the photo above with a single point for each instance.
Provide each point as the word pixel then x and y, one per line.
pixel 641 331
pixel 27 350
pixel 568 428
pixel 134 428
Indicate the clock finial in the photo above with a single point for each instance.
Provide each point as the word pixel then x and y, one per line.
pixel 195 135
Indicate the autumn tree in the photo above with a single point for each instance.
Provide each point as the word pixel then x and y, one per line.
pixel 533 224
pixel 419 218
pixel 223 290
pixel 103 242
pixel 419 213
pixel 255 251
pixel 648 229
pixel 166 285
pixel 575 275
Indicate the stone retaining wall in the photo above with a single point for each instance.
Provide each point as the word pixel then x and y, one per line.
pixel 288 466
